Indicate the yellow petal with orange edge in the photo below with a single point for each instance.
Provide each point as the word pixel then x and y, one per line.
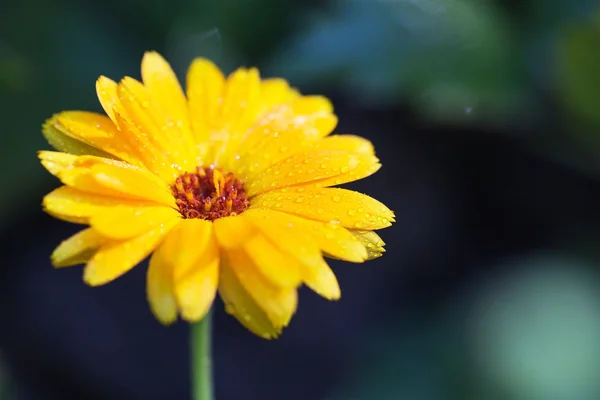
pixel 192 254
pixel 77 249
pixel 311 168
pixel 164 140
pixel 123 222
pixel 278 303
pixel 349 208
pixel 117 257
pixel 205 84
pixel 242 306
pixel 73 205
pixel 233 232
pixel 132 183
pixel 372 243
pixel 159 289
pixel 95 130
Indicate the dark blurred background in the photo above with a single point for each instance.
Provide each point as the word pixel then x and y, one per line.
pixel 486 115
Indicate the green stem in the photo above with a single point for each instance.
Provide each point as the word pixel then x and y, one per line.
pixel 202 379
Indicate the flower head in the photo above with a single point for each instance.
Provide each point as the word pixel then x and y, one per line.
pixel 228 186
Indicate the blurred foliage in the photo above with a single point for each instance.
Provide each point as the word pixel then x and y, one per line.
pixel 530 331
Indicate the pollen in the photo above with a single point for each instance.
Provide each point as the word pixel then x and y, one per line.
pixel 209 194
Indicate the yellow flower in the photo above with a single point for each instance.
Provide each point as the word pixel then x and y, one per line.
pixel 229 189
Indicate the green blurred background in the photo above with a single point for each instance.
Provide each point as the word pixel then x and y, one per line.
pixel 486 114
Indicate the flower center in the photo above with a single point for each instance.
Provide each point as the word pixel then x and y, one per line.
pixel 209 194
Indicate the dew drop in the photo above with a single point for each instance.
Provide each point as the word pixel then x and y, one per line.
pixel 344 169
pixel 359 224
pixel 300 199
pixel 320 211
pixel 351 212
pixel 229 309
pixel 324 165
pixel 336 199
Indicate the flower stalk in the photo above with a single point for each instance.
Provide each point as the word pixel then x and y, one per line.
pixel 202 376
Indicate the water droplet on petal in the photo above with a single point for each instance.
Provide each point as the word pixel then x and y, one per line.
pixel 300 199
pixel 336 199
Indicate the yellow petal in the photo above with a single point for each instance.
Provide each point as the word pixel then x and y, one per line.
pixel 205 84
pixel 73 205
pixel 94 130
pixel 106 90
pixel 117 257
pixel 123 222
pixel 77 249
pixel 165 141
pixel 331 238
pixel 278 134
pixel 349 208
pixel 285 235
pixel 78 172
pixel 321 279
pixel 164 87
pixel 159 289
pixel 133 183
pixel 55 162
pixel 192 254
pixel 349 143
pixel 241 100
pixel 238 112
pixel 196 293
pixel 372 243
pixel 171 107
pixel 278 303
pixel 275 91
pixel 63 142
pixel 272 262
pixel 233 232
pixel 316 110
pixel 314 169
pixel 241 305
pixel 292 239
